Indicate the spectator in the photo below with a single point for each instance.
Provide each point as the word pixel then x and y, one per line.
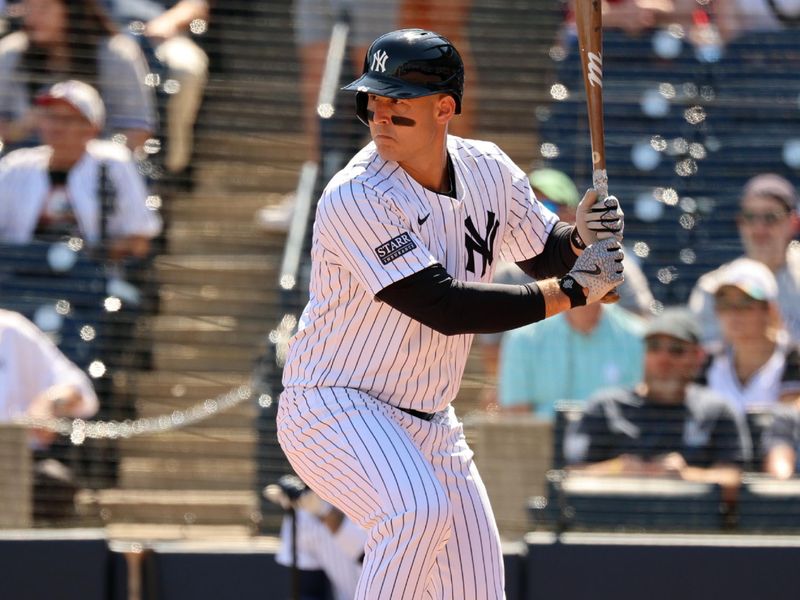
pixel 737 17
pixel 38 381
pixel 569 357
pixel 666 425
pixel 781 442
pixel 326 539
pixel 53 191
pixel 767 222
pixel 313 23
pixel 72 40
pixel 166 25
pixel 757 366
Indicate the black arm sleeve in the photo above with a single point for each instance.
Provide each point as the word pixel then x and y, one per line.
pixel 453 307
pixel 556 259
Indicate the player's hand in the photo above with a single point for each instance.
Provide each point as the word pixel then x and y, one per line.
pixel 599 269
pixel 597 219
pixel 286 492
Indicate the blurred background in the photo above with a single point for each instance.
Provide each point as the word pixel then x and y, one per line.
pixel 159 166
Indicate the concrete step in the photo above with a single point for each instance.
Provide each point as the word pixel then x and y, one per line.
pixel 223 237
pixel 232 177
pixel 221 208
pixel 199 357
pixel 190 507
pixel 235 301
pixel 219 442
pixel 168 532
pixel 187 473
pixel 242 271
pixel 173 386
pixel 241 417
pixel 208 329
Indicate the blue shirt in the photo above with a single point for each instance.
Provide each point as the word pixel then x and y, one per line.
pixel 549 361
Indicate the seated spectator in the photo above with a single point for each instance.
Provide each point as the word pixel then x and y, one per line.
pixel 72 40
pixel 666 425
pixel 781 442
pixel 53 191
pixel 38 381
pixel 767 223
pixel 737 17
pixel 166 28
pixel 569 357
pixel 326 539
pixel 757 366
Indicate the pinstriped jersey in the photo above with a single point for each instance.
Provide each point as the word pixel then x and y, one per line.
pixel 375 225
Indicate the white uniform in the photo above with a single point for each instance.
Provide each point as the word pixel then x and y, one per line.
pixel 337 554
pixel 25 185
pixel 30 364
pixel 355 361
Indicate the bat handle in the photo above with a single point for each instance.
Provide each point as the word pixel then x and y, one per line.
pixel 600 183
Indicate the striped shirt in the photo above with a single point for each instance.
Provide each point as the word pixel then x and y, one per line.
pixel 375 225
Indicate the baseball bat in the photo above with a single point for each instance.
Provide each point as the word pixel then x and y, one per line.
pixel 589 20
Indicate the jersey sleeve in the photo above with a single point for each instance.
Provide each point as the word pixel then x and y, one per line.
pixel 369 236
pixel 529 222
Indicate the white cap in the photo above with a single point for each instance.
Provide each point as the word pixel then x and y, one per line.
pixel 752 277
pixel 81 96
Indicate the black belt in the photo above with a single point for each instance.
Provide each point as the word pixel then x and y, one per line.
pixel 417 413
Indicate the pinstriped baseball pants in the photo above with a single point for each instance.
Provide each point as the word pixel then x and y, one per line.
pixel 411 483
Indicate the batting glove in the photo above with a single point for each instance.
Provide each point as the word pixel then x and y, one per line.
pixel 597 219
pixel 598 270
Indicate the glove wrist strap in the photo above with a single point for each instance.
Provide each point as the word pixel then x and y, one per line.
pixel 576 240
pixel 572 290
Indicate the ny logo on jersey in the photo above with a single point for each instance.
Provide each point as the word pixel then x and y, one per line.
pixel 482 245
pixel 379 61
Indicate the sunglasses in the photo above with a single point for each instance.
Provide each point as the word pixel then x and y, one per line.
pixel 766 218
pixel 673 348
pixel 742 303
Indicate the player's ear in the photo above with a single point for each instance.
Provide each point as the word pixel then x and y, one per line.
pixel 445 108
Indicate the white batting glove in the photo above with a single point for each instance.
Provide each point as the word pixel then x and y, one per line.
pixel 598 270
pixel 598 219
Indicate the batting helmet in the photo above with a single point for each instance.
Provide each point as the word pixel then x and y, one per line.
pixel 409 63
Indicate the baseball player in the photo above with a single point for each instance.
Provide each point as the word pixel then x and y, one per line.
pixel 406 239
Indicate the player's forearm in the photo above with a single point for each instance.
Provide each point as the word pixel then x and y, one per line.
pixel 454 307
pixel 557 257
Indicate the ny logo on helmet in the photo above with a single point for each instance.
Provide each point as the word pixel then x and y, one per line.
pixel 379 61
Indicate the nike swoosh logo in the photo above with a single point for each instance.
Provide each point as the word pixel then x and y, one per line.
pixel 595 271
pixel 421 220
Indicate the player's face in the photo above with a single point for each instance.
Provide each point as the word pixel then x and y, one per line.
pixel 743 319
pixel 65 129
pixel 404 129
pixel 670 364
pixel 766 227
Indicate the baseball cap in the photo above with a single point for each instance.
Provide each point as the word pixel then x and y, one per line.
pixel 557 186
pixel 752 277
pixel 772 186
pixel 675 322
pixel 81 96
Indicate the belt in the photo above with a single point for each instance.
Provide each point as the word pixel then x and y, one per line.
pixel 417 413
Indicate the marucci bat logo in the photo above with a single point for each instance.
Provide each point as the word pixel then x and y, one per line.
pixel 595 69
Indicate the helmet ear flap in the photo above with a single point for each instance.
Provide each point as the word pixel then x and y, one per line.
pixel 361 107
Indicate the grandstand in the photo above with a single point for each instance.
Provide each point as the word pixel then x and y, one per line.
pixel 189 374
